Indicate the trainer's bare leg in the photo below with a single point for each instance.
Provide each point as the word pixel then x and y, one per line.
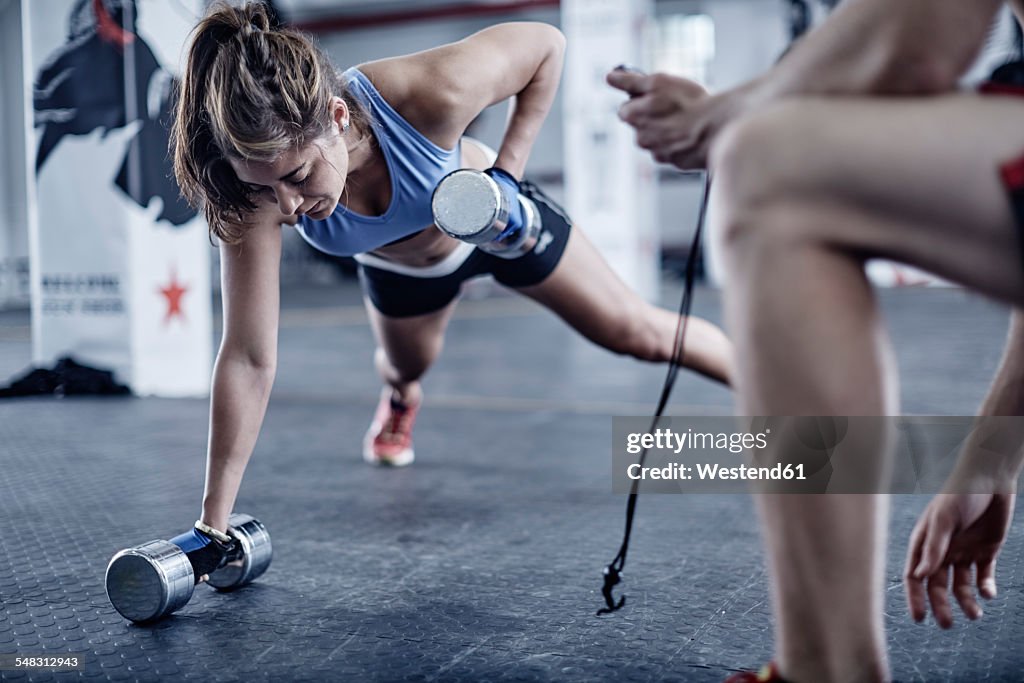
pixel 585 292
pixel 803 194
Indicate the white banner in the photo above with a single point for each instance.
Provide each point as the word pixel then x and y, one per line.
pixel 609 183
pixel 122 267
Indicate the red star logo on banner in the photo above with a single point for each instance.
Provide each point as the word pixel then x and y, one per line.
pixel 173 293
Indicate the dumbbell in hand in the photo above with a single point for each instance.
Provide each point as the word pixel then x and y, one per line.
pixel 154 579
pixel 485 208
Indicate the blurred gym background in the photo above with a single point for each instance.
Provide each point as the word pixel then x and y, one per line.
pixel 89 219
pixel 483 561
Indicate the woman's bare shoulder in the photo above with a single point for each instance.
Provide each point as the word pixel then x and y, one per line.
pixel 419 88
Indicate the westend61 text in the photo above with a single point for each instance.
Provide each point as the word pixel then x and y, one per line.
pixel 706 472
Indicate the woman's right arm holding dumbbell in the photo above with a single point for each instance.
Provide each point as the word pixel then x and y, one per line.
pixel 150 581
pixel 246 362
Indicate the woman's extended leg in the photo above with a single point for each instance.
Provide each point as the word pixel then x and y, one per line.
pixel 585 292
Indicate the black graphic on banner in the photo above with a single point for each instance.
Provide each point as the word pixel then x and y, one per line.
pixel 82 88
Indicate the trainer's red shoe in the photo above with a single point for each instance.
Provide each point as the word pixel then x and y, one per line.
pixel 769 673
pixel 389 439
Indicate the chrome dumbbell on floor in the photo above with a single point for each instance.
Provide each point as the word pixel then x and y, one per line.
pixel 154 579
pixel 477 207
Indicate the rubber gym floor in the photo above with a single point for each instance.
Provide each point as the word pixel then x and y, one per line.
pixel 482 561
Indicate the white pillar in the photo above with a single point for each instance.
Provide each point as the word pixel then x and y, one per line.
pixel 120 268
pixel 15 197
pixel 609 183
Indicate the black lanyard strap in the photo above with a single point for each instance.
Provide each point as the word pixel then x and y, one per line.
pixel 613 572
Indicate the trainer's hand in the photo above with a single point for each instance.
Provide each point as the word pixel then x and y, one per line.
pixel 668 114
pixel 675 118
pixel 957 532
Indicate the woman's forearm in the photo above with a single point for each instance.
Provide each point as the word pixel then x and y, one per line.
pixel 530 106
pixel 240 393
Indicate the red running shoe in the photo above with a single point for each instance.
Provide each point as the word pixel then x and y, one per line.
pixel 389 439
pixel 769 673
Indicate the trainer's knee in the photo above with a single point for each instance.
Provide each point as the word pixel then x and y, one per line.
pixel 758 168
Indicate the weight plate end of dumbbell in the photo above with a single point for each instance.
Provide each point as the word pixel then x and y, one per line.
pixel 257 552
pixel 466 205
pixel 149 581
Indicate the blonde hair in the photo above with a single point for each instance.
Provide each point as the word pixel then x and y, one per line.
pixel 250 91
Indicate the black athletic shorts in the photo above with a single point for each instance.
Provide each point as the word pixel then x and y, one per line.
pixel 400 291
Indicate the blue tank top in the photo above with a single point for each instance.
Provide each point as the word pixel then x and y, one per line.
pixel 415 165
